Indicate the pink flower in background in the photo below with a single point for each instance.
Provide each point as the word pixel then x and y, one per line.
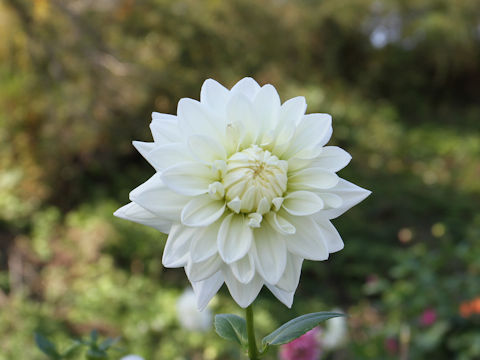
pixel 428 317
pixel 306 347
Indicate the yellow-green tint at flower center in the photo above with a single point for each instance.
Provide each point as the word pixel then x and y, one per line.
pixel 253 178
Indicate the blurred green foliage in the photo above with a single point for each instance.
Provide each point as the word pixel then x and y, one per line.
pixel 78 80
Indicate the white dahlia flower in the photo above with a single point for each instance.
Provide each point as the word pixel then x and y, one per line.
pixel 245 188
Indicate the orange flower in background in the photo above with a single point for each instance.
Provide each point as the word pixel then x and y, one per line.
pixel 469 308
pixel 475 304
pixel 464 309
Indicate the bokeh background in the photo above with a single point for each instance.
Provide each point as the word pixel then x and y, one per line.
pixel 78 81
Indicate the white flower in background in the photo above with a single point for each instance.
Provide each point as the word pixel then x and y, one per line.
pixel 245 187
pixel 132 357
pixel 336 332
pixel 188 314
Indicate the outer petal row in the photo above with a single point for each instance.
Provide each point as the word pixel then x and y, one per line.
pixel 350 195
pixel 136 213
pixel 157 198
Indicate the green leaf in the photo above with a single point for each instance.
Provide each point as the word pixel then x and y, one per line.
pixel 297 327
pixel 231 327
pixel 47 347
pixel 94 336
pixel 106 344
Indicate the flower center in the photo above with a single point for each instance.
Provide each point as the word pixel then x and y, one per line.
pixel 254 178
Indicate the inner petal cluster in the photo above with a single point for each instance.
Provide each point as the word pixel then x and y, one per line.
pixel 254 181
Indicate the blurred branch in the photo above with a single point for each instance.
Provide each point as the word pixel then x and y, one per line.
pixel 101 54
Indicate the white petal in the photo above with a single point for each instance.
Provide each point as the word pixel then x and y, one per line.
pixel 177 248
pixel 244 269
pixel 234 238
pixel 247 86
pixel 214 95
pixel 263 206
pixel 205 290
pixel 197 271
pixel 322 123
pixel 282 295
pixel 216 190
pixel 270 253
pixel 332 158
pixel 189 178
pixel 296 164
pixel 291 276
pixel 165 129
pixel 243 294
pixel 277 203
pixel 351 195
pixel 206 148
pixel 266 107
pixel 235 204
pixel 309 153
pixel 331 200
pixel 136 213
pixel 290 113
pixel 293 110
pixel 202 211
pixel 240 114
pixel 154 196
pixel 204 242
pixel 249 198
pixel 311 131
pixel 312 178
pixel 280 224
pixel 194 118
pixel 254 220
pixel 308 241
pixel 159 117
pixel 143 147
pixel 168 155
pixel 302 203
pixel 331 236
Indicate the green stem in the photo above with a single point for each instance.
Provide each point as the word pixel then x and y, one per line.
pixel 252 343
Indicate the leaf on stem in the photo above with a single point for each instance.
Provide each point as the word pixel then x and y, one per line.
pixel 94 336
pixel 47 347
pixel 231 327
pixel 297 327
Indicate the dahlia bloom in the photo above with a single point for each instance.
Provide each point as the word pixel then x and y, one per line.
pixel 245 189
pixel 306 347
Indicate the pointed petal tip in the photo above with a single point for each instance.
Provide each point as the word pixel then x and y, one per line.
pixel 286 297
pixel 119 213
pixel 366 193
pixel 205 290
pixel 211 82
pixel 248 79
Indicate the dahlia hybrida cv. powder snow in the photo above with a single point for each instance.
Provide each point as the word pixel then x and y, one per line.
pixel 245 189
